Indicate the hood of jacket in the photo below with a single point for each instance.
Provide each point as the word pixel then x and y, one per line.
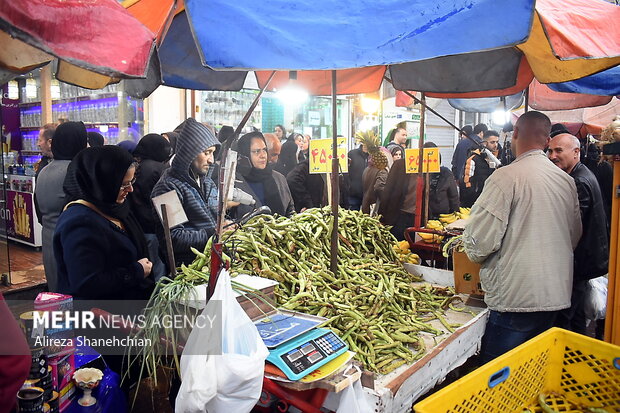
pixel 193 139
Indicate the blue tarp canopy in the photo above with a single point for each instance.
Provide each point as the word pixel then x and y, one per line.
pixel 323 34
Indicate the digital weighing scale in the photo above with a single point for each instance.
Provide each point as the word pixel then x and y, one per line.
pixel 296 346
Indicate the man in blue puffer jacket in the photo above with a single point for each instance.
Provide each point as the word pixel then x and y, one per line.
pixel 190 176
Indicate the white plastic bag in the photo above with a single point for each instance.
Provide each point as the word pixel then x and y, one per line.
pixel 595 304
pixel 232 381
pixel 353 399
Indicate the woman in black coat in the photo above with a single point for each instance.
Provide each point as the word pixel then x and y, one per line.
pixel 290 154
pixel 152 154
pixel 99 247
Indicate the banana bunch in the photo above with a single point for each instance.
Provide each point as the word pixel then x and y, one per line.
pixel 432 238
pixel 447 219
pixel 402 247
pixel 404 254
pixel 434 224
pixel 410 258
pixel 463 213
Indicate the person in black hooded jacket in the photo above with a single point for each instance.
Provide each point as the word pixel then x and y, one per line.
pixel 190 177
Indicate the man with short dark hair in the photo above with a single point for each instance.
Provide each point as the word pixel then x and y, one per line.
pixel 44 142
pixel 462 150
pixel 478 167
pixel 523 229
pixel 399 141
pixel 591 257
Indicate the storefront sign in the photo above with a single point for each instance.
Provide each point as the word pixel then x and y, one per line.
pixel 321 155
pixel 430 160
pixel 314 118
pixel 20 217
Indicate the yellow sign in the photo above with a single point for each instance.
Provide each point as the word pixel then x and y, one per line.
pixel 430 160
pixel 321 155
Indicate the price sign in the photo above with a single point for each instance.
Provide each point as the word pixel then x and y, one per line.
pixel 321 155
pixel 430 160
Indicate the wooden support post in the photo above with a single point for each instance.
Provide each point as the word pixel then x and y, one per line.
pixel 46 95
pixel 168 238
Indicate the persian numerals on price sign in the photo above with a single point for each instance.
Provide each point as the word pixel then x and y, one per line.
pixel 321 155
pixel 430 160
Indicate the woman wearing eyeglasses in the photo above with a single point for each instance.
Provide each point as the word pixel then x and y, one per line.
pixel 258 178
pixel 99 246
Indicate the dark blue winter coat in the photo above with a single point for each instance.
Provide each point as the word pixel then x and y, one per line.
pixel 96 260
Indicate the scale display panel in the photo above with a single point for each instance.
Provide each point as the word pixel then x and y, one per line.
pixel 281 327
pixel 306 353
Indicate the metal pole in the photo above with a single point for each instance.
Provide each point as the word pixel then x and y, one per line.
pixel 333 264
pixel 420 177
pixel 527 99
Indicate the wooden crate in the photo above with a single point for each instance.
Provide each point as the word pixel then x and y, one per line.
pixel 256 307
pixel 466 275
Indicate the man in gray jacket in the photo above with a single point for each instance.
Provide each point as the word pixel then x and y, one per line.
pixel 523 230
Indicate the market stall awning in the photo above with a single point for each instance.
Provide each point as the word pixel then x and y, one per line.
pixel 541 97
pixel 100 36
pixel 319 82
pixel 605 83
pixel 550 56
pixel 322 35
pixel 573 38
pixel 592 120
pixel 487 105
pixel 177 64
pixel 156 15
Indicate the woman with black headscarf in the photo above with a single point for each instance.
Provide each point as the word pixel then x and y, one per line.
pixel 98 244
pixel 290 154
pixel 68 139
pixel 258 178
pixel 152 154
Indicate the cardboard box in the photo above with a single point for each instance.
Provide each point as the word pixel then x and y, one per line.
pixel 466 275
pixel 63 367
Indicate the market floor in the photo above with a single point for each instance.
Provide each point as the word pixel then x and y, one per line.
pixel 26 270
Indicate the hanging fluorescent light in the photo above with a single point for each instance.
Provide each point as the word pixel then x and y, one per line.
pixel 31 88
pixel 500 117
pixel 13 90
pixel 292 94
pixel 55 89
pixel 370 105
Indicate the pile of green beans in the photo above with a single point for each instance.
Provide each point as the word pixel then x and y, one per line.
pixel 371 302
